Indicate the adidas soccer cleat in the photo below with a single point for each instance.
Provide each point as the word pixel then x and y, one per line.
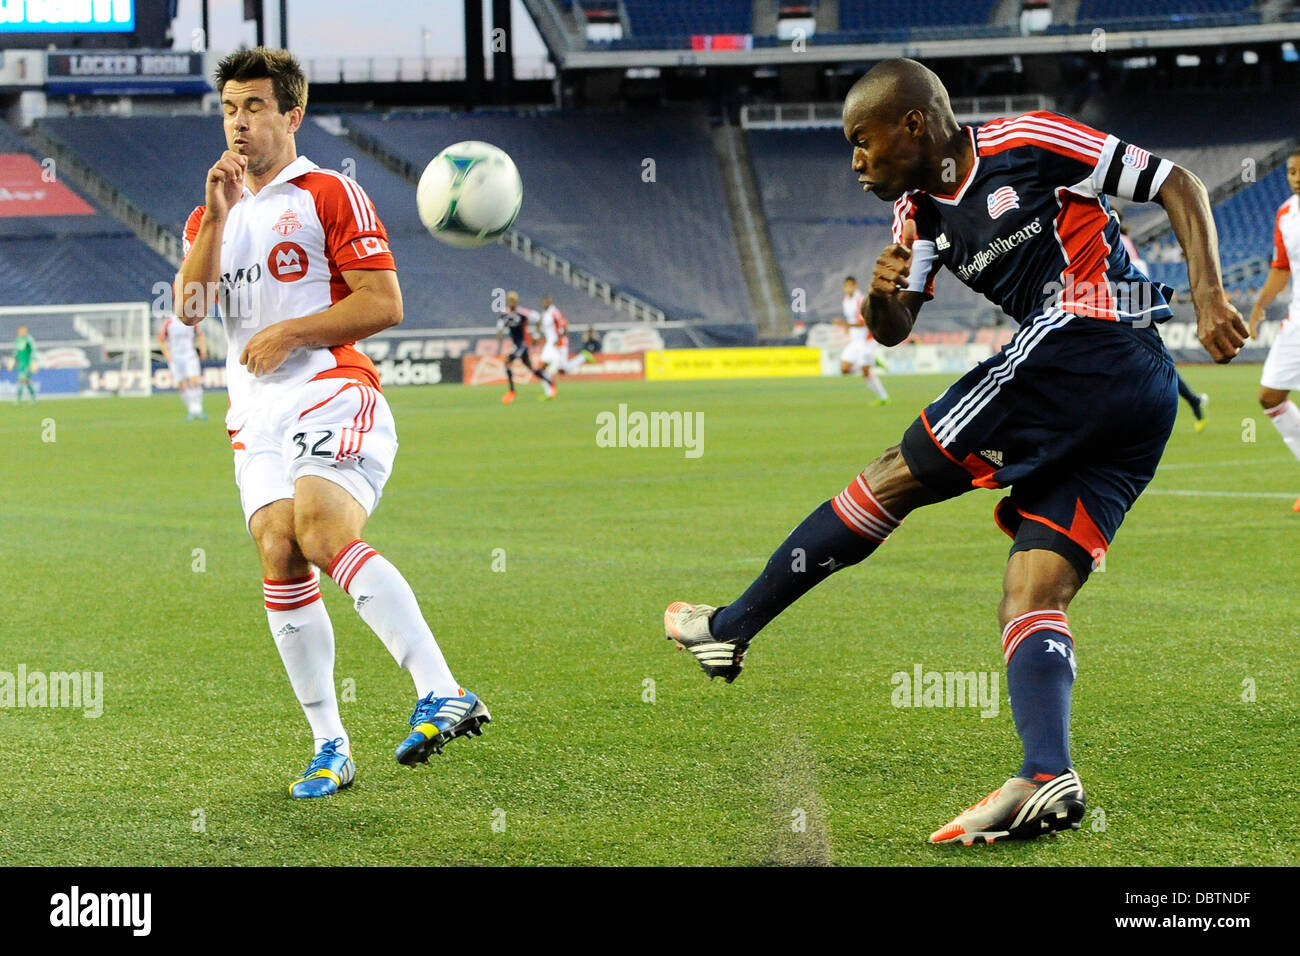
pixel 688 625
pixel 438 720
pixel 327 774
pixel 1020 809
pixel 1201 420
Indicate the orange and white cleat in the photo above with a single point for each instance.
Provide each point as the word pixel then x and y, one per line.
pixel 508 397
pixel 688 625
pixel 1020 809
pixel 1296 506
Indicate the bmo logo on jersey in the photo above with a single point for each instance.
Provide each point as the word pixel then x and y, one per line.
pixel 287 262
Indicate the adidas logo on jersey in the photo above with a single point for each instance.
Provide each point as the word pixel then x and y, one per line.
pixel 993 457
pixel 942 242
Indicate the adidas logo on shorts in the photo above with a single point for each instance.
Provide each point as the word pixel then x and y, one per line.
pixel 993 457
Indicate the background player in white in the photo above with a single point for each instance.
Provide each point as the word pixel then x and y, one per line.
pixel 313 437
pixel 183 346
pixel 555 351
pixel 1282 367
pixel 860 353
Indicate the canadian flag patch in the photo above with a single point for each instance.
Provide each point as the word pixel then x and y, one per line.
pixel 369 246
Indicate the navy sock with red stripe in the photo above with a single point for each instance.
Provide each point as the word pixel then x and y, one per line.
pixel 1039 651
pixel 840 533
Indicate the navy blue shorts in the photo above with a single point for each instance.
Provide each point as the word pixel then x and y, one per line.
pixel 1073 415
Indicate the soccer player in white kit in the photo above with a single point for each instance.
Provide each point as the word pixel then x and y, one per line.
pixel 1282 367
pixel 860 353
pixel 183 346
pixel 298 262
pixel 555 351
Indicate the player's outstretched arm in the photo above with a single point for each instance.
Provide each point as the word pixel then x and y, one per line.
pixel 1277 281
pixel 374 304
pixel 1218 324
pixel 888 308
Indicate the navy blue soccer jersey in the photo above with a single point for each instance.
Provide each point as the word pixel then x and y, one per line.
pixel 516 323
pixel 1030 227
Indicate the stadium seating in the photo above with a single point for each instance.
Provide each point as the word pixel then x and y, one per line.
pixel 51 260
pixel 885 14
pixel 1245 224
pixel 634 198
pixel 159 163
pixel 823 227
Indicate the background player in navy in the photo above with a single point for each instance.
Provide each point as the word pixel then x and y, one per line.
pixel 1073 414
pixel 515 322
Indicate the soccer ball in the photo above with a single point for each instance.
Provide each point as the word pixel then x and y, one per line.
pixel 470 194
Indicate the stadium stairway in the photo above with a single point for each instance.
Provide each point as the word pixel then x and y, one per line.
pixel 753 243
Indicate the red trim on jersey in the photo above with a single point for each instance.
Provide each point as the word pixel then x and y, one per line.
pixel 904 209
pixel 192 227
pixel 1079 229
pixel 346 214
pixel 970 173
pixel 1045 131
pixel 1280 258
pixel 351 363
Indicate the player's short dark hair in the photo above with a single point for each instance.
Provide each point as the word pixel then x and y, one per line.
pixel 851 279
pixel 262 63
pixel 1294 152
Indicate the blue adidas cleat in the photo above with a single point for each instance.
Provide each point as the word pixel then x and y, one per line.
pixel 438 720
pixel 327 774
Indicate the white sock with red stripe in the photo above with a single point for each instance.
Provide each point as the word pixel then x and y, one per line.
pixel 388 606
pixel 305 638
pixel 1286 419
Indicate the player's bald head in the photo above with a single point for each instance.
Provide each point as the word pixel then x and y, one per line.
pixel 892 88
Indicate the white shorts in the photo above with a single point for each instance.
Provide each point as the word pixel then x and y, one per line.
pixel 553 355
pixel 185 368
pixel 1282 367
pixel 859 354
pixel 336 428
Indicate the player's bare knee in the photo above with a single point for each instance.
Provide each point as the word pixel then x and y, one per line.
pixel 1036 591
pixel 281 557
pixel 1271 398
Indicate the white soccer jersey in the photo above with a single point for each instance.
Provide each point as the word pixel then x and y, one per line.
pixel 1286 246
pixel 555 328
pixel 180 339
pixel 283 254
pixel 851 305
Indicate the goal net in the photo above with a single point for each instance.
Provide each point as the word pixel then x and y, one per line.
pixel 97 348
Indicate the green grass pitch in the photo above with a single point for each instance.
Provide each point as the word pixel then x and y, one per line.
pixel 607 745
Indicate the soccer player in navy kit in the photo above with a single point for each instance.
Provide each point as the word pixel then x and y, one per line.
pixel 1073 414
pixel 515 322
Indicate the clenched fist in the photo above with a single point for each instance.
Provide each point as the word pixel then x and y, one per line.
pixel 894 264
pixel 225 184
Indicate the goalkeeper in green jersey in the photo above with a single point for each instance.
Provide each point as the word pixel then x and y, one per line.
pixel 24 362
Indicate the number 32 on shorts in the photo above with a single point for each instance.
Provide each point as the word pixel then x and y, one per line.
pixel 317 441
